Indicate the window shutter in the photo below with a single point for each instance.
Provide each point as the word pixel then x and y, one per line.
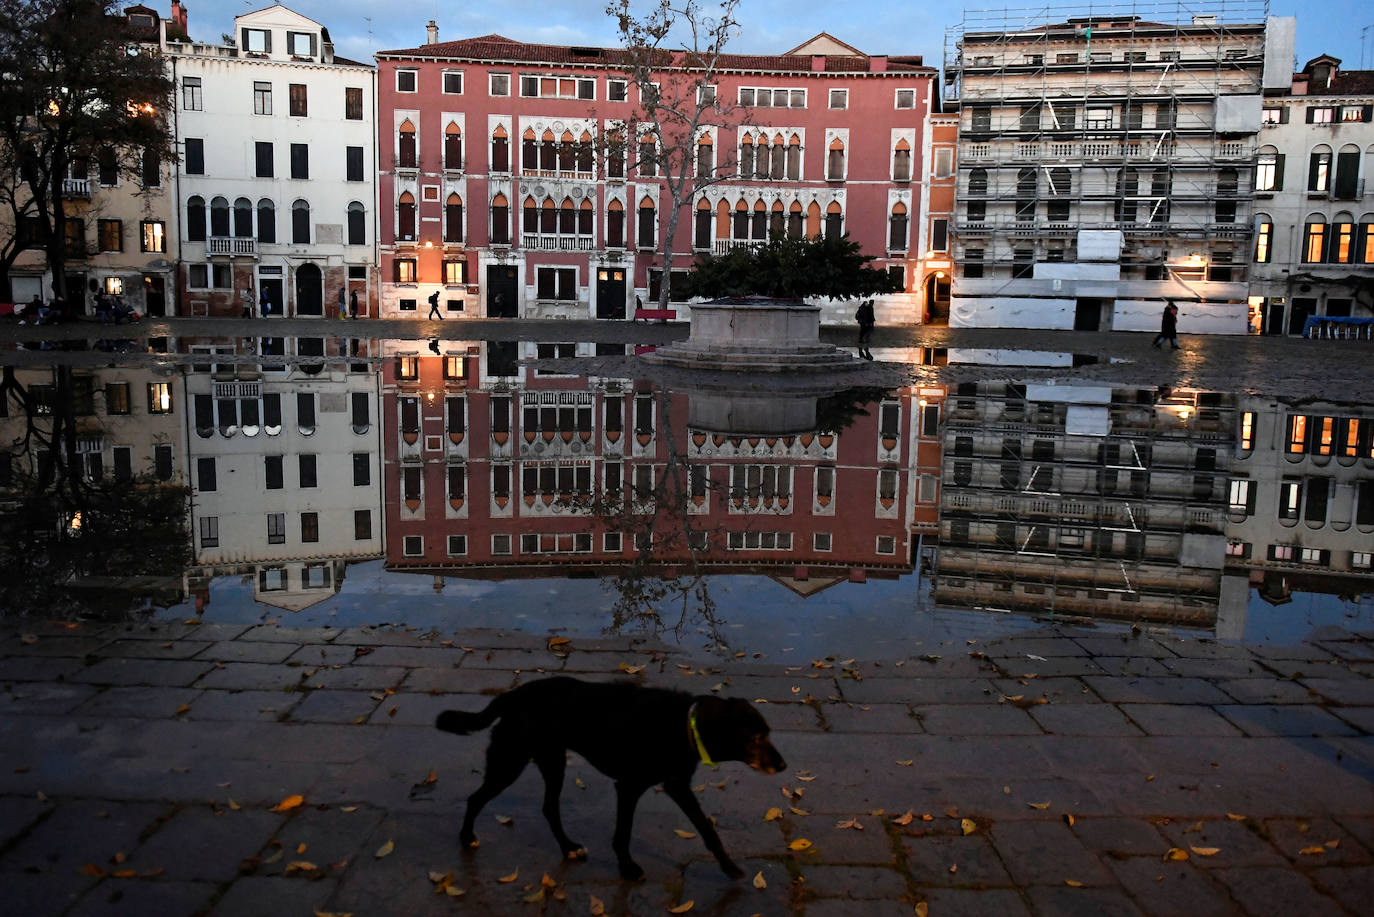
pixel 1347 174
pixel 1278 168
pixel 1312 164
pixel 1367 113
pixel 1311 116
pixel 940 240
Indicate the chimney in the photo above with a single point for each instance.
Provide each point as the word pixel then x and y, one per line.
pixel 179 16
pixel 877 63
pixel 432 33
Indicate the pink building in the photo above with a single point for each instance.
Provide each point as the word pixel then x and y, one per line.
pixel 492 192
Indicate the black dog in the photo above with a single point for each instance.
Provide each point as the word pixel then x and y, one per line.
pixel 637 736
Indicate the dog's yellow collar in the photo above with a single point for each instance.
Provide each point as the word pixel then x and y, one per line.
pixel 696 736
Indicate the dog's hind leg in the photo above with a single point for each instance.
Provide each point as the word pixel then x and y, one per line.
pixel 552 764
pixel 504 765
pixel 680 793
pixel 626 798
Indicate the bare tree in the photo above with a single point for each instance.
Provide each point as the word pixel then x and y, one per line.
pixel 672 54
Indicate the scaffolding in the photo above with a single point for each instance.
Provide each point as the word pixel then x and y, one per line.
pixel 1133 117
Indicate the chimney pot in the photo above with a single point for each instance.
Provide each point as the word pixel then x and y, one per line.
pixel 432 33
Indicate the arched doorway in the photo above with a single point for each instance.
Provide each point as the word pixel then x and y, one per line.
pixel 937 298
pixel 309 290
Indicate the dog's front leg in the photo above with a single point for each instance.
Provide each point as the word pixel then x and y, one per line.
pixel 626 798
pixel 681 793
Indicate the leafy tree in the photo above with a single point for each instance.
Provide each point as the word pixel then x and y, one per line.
pixel 76 82
pixel 677 96
pixel 790 268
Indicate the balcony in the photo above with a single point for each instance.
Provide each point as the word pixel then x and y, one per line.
pixel 231 246
pixel 76 187
pixel 722 246
pixel 557 243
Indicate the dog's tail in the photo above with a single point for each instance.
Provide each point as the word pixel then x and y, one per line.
pixel 464 723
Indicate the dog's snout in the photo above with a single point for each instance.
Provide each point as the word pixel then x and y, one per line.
pixel 765 758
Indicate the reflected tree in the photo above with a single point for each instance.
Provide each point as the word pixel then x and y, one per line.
pixel 60 521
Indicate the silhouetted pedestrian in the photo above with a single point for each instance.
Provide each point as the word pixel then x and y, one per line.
pixel 864 316
pixel 434 306
pixel 1168 326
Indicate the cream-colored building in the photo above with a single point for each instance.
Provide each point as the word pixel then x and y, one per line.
pixel 1106 164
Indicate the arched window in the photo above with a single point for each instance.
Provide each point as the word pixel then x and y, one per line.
pixel 586 218
pixel 1364 240
pixel 1319 169
pixel 453 219
pixel 1264 238
pixel 1027 182
pixel 647 164
pixel 746 156
pixel 548 217
pixel 300 223
pixel 567 217
pixel 1228 180
pixel 405 145
pixel 615 155
pixel 978 181
pixel 834 168
pixel 405 216
pixel 896 237
pixel 795 220
pixel 357 223
pixel 1061 182
pixel 586 160
pixel 813 220
pixel 1346 184
pixel 615 225
pixel 1269 169
pixel 1341 248
pixel 706 159
pixel 529 222
pixel 741 220
pixel 567 152
pixel 500 220
pixel 453 147
pixel 701 229
pixel 500 150
pixel 758 227
pixel 219 217
pixel 901 161
pixel 834 221
pixel 779 157
pixel 776 220
pixel 529 150
pixel 723 220
pixel 243 218
pixel 794 158
pixel 267 221
pixel 548 152
pixel 1314 239
pixel 648 223
pixel 195 219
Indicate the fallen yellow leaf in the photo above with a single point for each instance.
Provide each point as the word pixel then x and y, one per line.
pixel 454 891
pixel 510 878
pixel 904 819
pixel 1038 805
pixel 795 811
pixel 800 843
pixel 759 880
pixel 1333 844
pixel 300 848
pixel 969 825
pixel 90 869
pixel 1205 851
pixel 922 909
pixel 558 641
pixel 1314 850
pixel 631 669
pixel 684 834
pixel 1234 817
pixel 1068 819
pixel 534 897
pixel 682 908
pixel 385 849
pixel 182 709
pixel 289 803
pixel 348 808
pixel 1073 883
pixel 772 814
pixel 504 819
pixel 1176 853
pixel 596 906
pixel 907 763
pixel 849 823
pixel 234 805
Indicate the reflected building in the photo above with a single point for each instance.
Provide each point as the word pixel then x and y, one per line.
pixel 285 462
pixel 1085 501
pixel 1301 501
pixel 495 467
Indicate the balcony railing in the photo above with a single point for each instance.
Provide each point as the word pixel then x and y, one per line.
pixel 1142 149
pixel 233 246
pixel 721 246
pixel 76 187
pixel 557 243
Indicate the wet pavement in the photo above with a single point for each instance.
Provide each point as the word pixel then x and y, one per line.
pixel 1285 366
pixel 150 769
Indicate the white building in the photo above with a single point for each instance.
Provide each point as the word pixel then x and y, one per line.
pixel 1106 164
pixel 1314 205
pixel 275 189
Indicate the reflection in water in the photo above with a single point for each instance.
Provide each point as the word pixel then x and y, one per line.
pixel 464 467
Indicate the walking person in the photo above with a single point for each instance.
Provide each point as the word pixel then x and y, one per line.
pixel 1168 326
pixel 864 316
pixel 353 304
pixel 342 301
pixel 434 306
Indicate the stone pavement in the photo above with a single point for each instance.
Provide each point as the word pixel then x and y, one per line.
pixel 149 769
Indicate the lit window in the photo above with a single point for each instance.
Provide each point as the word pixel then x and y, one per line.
pixel 159 398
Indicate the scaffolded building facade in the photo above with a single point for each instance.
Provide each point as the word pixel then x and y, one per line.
pixel 1106 163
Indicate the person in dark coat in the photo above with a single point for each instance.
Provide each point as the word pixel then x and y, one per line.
pixel 353 304
pixel 434 306
pixel 1168 326
pixel 864 316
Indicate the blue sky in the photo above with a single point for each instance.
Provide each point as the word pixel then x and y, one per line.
pixel 767 26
